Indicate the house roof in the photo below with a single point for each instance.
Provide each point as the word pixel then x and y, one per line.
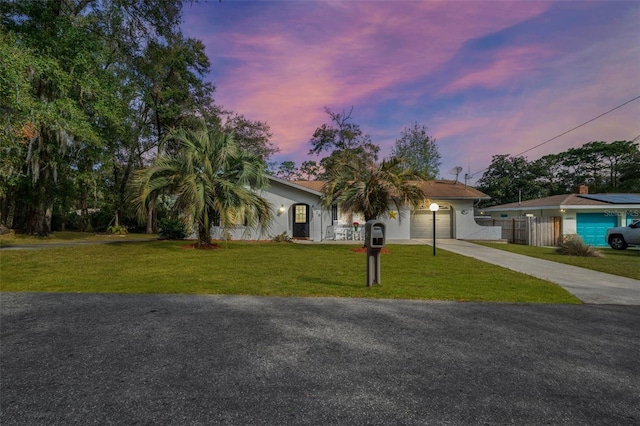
pixel 298 185
pixel 614 198
pixel 315 185
pixel 441 189
pixel 449 189
pixel 565 201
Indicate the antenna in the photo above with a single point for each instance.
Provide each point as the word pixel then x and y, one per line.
pixel 467 176
pixel 456 171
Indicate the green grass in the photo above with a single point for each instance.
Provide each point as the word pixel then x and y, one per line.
pixel 13 239
pixel 625 263
pixel 268 269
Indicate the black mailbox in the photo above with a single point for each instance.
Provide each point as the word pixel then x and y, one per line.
pixel 374 234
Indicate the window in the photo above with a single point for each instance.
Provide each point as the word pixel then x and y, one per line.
pixel 334 212
pixel 301 214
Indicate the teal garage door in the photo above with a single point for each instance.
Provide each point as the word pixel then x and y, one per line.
pixel 592 227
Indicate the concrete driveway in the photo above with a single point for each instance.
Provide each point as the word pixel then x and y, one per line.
pixel 183 360
pixel 587 285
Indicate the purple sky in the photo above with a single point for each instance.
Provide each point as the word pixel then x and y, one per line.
pixel 487 78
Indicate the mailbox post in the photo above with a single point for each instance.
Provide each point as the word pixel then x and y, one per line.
pixel 374 240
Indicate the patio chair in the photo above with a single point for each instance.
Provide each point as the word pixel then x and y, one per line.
pixel 330 234
pixel 341 233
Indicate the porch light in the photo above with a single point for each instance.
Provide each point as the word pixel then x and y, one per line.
pixel 281 209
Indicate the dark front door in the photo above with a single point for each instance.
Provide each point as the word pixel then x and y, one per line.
pixel 300 221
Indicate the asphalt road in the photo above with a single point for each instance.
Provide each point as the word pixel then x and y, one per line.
pixel 181 360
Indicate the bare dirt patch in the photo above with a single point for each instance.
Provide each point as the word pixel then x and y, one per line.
pixel 364 250
pixel 203 246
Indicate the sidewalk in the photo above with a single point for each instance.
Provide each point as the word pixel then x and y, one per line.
pixel 587 285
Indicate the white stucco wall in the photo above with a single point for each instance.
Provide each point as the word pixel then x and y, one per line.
pixel 465 226
pixel 282 195
pixel 398 228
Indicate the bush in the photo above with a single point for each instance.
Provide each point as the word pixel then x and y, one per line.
pixel 100 220
pixel 117 230
pixel 282 238
pixel 71 219
pixel 572 245
pixel 171 229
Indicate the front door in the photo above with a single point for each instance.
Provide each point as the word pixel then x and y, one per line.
pixel 301 221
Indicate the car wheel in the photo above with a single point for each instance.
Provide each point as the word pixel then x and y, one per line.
pixel 617 242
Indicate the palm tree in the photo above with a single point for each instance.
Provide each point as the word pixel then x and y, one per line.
pixel 210 178
pixel 369 188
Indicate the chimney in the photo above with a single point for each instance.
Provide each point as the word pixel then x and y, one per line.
pixel 583 190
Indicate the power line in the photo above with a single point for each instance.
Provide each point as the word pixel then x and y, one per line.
pixel 570 130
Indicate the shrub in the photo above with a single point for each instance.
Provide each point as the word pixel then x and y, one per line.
pixel 572 245
pixel 171 229
pixel 117 230
pixel 282 238
pixel 99 220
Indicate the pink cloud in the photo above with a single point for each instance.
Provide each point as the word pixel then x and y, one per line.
pixel 288 64
pixel 376 47
pixel 506 65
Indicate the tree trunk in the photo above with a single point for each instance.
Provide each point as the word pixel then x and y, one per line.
pixel 64 210
pixel 204 234
pixel 11 210
pixel 47 218
pixel 40 213
pixel 150 215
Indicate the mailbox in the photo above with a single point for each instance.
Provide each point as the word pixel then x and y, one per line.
pixel 374 234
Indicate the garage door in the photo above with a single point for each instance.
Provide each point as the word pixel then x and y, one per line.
pixel 422 224
pixel 592 227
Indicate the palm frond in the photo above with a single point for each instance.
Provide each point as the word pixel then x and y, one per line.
pixel 209 175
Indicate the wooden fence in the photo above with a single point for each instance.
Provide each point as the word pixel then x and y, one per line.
pixel 527 230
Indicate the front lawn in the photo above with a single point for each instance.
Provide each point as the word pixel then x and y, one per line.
pixel 12 239
pixel 625 263
pixel 269 269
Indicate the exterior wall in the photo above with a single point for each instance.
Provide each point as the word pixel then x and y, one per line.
pixel 282 196
pixel 465 226
pixel 570 222
pixel 398 228
pixel 569 216
pixel 463 223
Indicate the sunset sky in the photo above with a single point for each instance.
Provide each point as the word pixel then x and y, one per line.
pixel 487 78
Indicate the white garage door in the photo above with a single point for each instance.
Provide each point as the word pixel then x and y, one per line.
pixel 422 224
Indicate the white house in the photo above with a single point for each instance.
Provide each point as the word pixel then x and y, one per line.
pixel 584 214
pixel 297 211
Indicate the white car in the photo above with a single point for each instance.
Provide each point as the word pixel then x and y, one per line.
pixel 623 236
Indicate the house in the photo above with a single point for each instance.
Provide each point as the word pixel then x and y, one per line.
pixel 298 212
pixel 584 214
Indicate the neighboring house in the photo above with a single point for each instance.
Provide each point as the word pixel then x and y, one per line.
pixel 584 214
pixel 298 212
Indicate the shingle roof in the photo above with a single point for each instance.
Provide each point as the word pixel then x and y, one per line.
pixel 316 185
pixel 449 189
pixel 556 201
pixel 442 189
